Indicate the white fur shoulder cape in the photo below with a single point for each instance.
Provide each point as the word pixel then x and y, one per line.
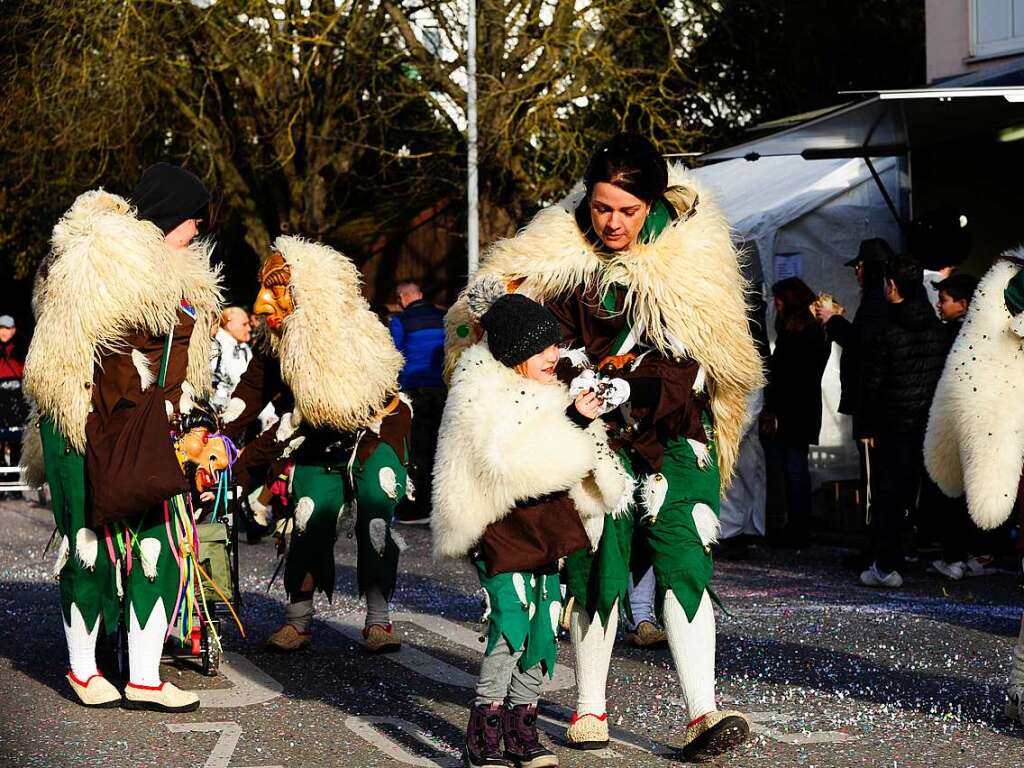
pixel 684 289
pixel 337 357
pixel 975 437
pixel 504 439
pixel 110 273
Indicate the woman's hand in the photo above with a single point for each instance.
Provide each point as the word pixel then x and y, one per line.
pixel 588 404
pixel 826 312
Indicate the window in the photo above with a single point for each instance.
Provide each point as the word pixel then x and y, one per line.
pixel 997 27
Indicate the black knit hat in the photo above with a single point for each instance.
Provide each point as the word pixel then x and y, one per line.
pixel 168 195
pixel 960 286
pixel 518 328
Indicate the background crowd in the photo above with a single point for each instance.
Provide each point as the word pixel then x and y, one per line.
pixel 893 348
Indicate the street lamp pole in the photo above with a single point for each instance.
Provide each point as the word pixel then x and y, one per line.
pixel 472 192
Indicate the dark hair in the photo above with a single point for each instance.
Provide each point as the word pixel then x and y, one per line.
pixel 631 163
pixel 908 276
pixel 796 298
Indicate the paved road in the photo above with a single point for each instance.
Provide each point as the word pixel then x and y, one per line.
pixel 833 674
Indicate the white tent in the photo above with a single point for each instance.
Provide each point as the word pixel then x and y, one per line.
pixel 807 218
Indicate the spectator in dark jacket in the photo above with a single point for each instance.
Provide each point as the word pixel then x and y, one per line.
pixel 852 337
pixel 902 365
pixel 418 331
pixel 792 417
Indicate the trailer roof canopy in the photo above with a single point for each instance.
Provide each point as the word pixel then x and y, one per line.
pixel 891 123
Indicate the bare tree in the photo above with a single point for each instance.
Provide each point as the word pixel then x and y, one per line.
pixel 553 77
pixel 302 115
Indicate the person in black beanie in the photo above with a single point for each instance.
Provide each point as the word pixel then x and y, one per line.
pixel 523 475
pixel 519 328
pixel 172 198
pixel 136 333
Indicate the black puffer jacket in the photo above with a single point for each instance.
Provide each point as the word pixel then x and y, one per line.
pixel 902 365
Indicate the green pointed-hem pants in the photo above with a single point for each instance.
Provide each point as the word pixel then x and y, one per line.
pixel 93 588
pixel 671 544
pixel 379 485
pixel 524 614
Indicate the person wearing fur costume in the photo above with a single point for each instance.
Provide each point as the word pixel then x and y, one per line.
pixel 348 433
pixel 639 268
pixel 522 468
pixel 123 305
pixel 974 443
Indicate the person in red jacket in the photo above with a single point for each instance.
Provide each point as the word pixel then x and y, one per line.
pixel 13 408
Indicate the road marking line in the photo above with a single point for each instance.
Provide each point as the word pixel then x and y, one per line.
pixel 230 733
pixel 251 685
pixel 364 728
pixel 411 658
pixel 802 738
pixel 428 666
pixel 564 676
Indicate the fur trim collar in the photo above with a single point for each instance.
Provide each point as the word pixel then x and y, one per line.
pixel 336 356
pixel 685 289
pixel 505 438
pixel 975 436
pixel 109 273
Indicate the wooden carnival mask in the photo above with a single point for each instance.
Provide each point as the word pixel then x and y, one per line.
pixel 207 452
pixel 274 301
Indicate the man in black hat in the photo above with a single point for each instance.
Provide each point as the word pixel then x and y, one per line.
pixel 854 336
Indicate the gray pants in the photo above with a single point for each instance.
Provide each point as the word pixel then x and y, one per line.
pixel 1017 666
pixel 501 679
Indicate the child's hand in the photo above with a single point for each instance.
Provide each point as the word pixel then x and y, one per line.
pixel 588 404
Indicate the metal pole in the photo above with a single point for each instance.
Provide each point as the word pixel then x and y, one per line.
pixel 472 193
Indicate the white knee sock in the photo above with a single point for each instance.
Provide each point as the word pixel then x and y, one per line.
pixel 592 644
pixel 81 645
pixel 377 609
pixel 146 645
pixel 693 651
pixel 299 615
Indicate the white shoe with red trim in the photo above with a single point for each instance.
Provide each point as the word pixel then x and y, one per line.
pixel 94 692
pixel 165 697
pixel 587 731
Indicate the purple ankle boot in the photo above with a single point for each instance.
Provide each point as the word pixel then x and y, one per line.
pixel 522 743
pixel 483 737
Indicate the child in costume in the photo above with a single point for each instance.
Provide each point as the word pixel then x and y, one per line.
pixel 639 268
pixel 333 362
pixel 520 466
pixel 123 303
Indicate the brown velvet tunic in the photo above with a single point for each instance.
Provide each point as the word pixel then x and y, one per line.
pixel 117 480
pixel 116 382
pixel 263 383
pixel 663 405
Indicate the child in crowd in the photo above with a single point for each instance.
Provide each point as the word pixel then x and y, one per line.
pixel 957 534
pixel 523 477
